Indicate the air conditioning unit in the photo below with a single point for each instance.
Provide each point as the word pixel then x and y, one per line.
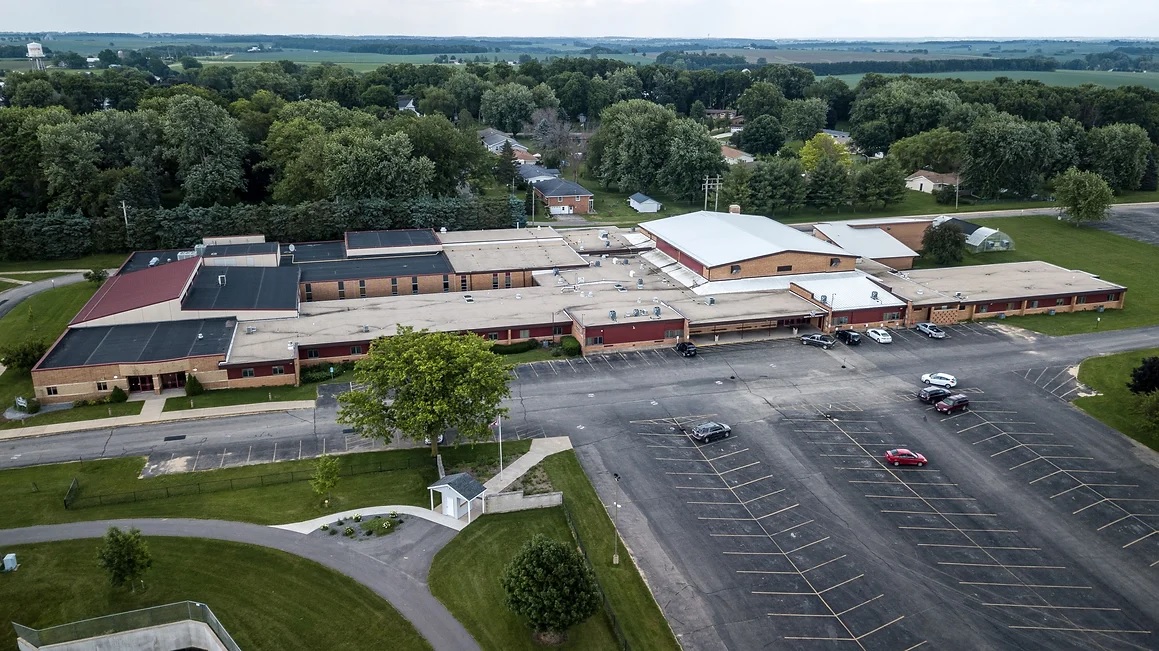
pixel 249 330
pixel 612 314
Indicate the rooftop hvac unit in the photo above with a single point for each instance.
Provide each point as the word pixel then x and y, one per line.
pixel 555 271
pixel 873 295
pixel 597 263
pixel 612 314
pixel 289 345
pixel 518 296
pixel 579 279
pixel 607 244
pixel 603 235
pixel 199 249
pixel 639 283
pixel 221 280
pixel 185 255
pixel 291 248
pixel 200 336
pixel 824 299
pixel 154 262
pixel 656 311
pixel 710 301
pixel 589 294
pixel 366 328
pixel 249 330
pixel 631 273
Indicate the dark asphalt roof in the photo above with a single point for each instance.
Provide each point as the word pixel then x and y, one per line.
pixel 140 342
pixel 380 239
pixel 362 268
pixel 257 248
pixel 464 484
pixel 965 226
pixel 561 188
pixel 316 251
pixel 245 288
pixel 140 259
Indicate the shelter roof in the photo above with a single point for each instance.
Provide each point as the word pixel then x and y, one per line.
pixel 462 483
pixel 718 238
pixel 388 238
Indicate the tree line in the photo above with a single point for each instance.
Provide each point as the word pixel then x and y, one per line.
pixel 915 66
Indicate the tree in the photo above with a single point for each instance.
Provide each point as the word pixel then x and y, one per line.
pixel 96 275
pixel 692 155
pixel 803 118
pixel 1005 154
pixel 125 556
pixel 360 165
pixel 761 135
pixel 1148 407
pixel 24 354
pixel 940 150
pixel 419 384
pixel 208 148
pixel 1145 376
pixel 944 243
pixel 1083 196
pixel 823 147
pixel 837 96
pixel 697 111
pixel 828 185
pixel 552 136
pixel 778 185
pixel 631 145
pixel 544 97
pixel 879 184
pixel 735 189
pixel 507 107
pixel 456 155
pixel 325 475
pixel 190 63
pixel 550 584
pixel 1150 181
pixel 1118 153
pixel 108 57
pixel 37 93
pixel 505 170
pixel 762 98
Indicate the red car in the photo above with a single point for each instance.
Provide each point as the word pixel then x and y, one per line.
pixel 903 457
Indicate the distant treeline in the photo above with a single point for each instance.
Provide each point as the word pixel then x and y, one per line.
pixel 701 61
pixel 914 66
pixel 386 46
pixel 17 51
pixel 1127 59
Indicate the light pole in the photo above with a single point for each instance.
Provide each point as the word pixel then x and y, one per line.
pixel 499 423
pixel 616 521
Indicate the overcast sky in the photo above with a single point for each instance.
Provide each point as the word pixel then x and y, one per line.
pixel 654 18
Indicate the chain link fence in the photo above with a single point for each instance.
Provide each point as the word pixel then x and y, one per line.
pixel 603 598
pixel 183 611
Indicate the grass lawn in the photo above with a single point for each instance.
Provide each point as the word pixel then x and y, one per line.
pixel 34 276
pixel 99 260
pixel 92 412
pixel 1109 375
pixel 229 397
pixel 537 355
pixel 465 577
pixel 636 610
pixel 6 285
pixel 34 495
pixel 286 602
pixel 46 315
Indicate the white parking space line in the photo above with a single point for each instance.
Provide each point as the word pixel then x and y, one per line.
pixel 777 512
pixel 751 481
pixel 764 496
pixel 792 527
pixel 878 481
pixel 942 513
pixel 847 610
pixel 747 465
pixel 1016 549
pixel 794 551
pixel 1052 607
pixel 1139 539
pixel 728 454
pixel 1004 566
pixel 1040 586
pixel 919 497
pixel 1080 630
pixel 960 529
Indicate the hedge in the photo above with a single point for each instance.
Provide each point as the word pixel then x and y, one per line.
pixel 511 349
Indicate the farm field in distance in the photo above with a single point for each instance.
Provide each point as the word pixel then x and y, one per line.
pixel 1056 78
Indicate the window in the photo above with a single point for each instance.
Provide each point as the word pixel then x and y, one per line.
pixel 50 391
pixel 785 267
pixel 102 386
pixel 840 320
pixel 1034 303
pixel 962 307
pixel 1081 299
pixel 507 280
pixel 279 370
pixel 414 284
pixel 356 350
pixel 594 340
pixel 247 372
pixel 1059 301
pixel 557 330
pixel 982 309
pixel 341 289
pixel 362 289
pixel 734 269
pixel 524 334
pixel 309 293
pixel 891 316
pixel 394 286
pixel 673 334
pixel 446 283
pixel 834 262
pixel 462 283
pixel 1112 297
pixel 494 281
pixel 1010 307
pixel 493 336
pixel 312 353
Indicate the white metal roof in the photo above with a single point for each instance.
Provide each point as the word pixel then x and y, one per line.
pixel 718 238
pixel 979 235
pixel 865 242
pixel 673 269
pixel 766 283
pixel 852 293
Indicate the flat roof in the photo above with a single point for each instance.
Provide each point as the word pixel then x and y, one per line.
pixel 316 251
pixel 719 238
pixel 849 293
pixel 140 342
pixel 769 283
pixel 385 239
pixel 124 292
pixel 139 260
pixel 245 288
pixel 362 268
pixel 591 240
pixel 253 248
pixel 865 242
pixel 513 255
pixel 991 282
pixel 498 235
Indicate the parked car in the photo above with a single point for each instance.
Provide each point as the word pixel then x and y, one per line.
pixel 879 335
pixel 427 440
pixel 620 288
pixel 904 457
pixel 932 394
pixel 848 337
pixel 686 349
pixel 710 431
pixel 824 341
pixel 931 330
pixel 950 404
pixel 940 380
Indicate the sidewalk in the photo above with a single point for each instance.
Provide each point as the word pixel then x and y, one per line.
pixel 151 413
pixel 540 449
pixel 307 526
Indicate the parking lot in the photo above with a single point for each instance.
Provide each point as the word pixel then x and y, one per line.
pixel 1032 527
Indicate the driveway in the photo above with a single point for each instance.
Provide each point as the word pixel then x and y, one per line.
pixel 12 297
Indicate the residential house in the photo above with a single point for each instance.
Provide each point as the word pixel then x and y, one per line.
pixel 643 203
pixel 716 114
pixel 532 174
pixel 842 137
pixel 732 155
pixel 927 181
pixel 407 103
pixel 564 197
pixel 493 140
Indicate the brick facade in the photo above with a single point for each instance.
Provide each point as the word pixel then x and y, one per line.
pixel 631 334
pixel 949 313
pixel 405 285
pixel 783 264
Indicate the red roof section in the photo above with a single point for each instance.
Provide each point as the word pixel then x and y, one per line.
pixel 138 289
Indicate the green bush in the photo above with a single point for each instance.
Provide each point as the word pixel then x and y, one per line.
pixel 193 386
pixel 33 406
pixel 118 395
pixel 570 346
pixel 511 349
pixel 321 372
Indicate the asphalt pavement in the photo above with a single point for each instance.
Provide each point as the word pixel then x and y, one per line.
pixel 10 298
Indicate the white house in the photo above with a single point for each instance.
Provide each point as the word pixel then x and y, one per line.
pixel 732 155
pixel 406 103
pixel 927 181
pixel 643 203
pixel 493 140
pixel 457 491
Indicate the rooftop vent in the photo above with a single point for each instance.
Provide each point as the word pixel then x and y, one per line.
pixel 154 262
pixel 518 296
pixel 200 336
pixel 291 248
pixel 366 328
pixel 710 301
pixel 824 299
pixel 555 271
pixel 656 311
pixel 249 330
pixel 639 283
pixel 221 280
pixel 612 314
pixel 873 296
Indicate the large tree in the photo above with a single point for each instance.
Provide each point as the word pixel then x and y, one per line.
pixel 360 165
pixel 761 135
pixel 507 107
pixel 1008 155
pixel 692 155
pixel 828 185
pixel 778 186
pixel 418 384
pixel 125 556
pixel 823 147
pixel 762 98
pixel 1145 376
pixel 736 190
pixel 1118 153
pixel 1083 196
pixel 207 146
pixel 631 145
pixel 549 584
pixel 803 118
pixel 879 184
pixel 940 150
pixel 944 244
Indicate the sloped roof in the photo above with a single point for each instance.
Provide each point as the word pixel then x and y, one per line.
pixel 855 292
pixel 870 243
pixel 640 197
pixel 561 188
pixel 716 238
pixel 981 233
pixel 528 172
pixel 122 293
pixel 733 153
pixel 462 483
pixel 935 177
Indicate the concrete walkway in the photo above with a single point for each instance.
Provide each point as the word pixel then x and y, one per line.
pixel 10 298
pixel 540 449
pixel 408 594
pixel 308 526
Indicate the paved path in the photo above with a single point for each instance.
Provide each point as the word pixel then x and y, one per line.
pixel 10 298
pixel 307 526
pixel 540 448
pixel 407 593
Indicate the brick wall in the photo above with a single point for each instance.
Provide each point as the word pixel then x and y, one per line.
pixel 908 233
pixel 637 333
pixel 80 382
pixel 782 264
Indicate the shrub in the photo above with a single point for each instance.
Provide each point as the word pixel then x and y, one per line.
pixel 118 395
pixel 541 571
pixel 96 276
pixel 349 532
pixel 358 518
pixel 570 346
pixel 23 355
pixel 333 532
pixel 511 349
pixel 193 386
pixel 33 406
pixel 321 372
pixel 84 403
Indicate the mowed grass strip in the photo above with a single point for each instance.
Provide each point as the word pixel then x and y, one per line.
pixel 266 599
pixel 465 576
pixel 95 261
pixel 232 397
pixel 263 493
pixel 639 616
pixel 1116 406
pixel 75 414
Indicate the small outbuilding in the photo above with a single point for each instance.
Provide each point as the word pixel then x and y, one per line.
pixel 641 202
pixel 458 491
pixel 979 239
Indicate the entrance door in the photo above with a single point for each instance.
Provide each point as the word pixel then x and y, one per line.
pixel 140 383
pixel 172 380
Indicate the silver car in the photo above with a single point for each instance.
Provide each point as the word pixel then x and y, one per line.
pixel 931 330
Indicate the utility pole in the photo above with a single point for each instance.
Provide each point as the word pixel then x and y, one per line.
pixel 712 183
pixel 125 214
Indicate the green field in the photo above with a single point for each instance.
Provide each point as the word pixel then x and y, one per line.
pixel 74 414
pixel 6 285
pixel 286 602
pixel 1056 78
pixel 1115 407
pixel 99 260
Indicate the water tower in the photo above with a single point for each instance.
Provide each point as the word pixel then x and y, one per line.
pixel 36 55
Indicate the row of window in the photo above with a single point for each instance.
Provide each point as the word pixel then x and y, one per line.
pixel 312 353
pixel 277 370
pixel 1030 305
pixel 414 286
pixel 495 281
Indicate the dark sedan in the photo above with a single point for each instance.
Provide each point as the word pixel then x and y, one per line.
pixel 824 341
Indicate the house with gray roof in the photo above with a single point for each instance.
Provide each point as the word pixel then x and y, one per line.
pixel 564 197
